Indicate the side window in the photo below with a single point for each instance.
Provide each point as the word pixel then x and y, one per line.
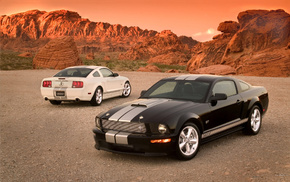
pixel 244 86
pixel 106 73
pixel 96 74
pixel 226 87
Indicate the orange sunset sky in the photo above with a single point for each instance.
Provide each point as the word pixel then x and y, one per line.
pixel 196 18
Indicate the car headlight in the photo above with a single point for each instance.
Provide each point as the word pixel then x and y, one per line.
pixel 98 122
pixel 162 128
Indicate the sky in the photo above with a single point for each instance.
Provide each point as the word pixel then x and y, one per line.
pixel 198 19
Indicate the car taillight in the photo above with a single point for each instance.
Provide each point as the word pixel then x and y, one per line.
pixel 77 84
pixel 46 83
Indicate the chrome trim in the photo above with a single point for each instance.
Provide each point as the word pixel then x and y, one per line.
pixel 223 127
pixel 132 127
pixel 117 137
pixel 110 136
pixel 122 138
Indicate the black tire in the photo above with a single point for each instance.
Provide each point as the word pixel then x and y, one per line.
pixel 55 102
pixel 127 89
pixel 254 123
pixel 97 99
pixel 187 144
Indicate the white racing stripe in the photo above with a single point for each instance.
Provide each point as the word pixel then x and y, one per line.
pixel 120 113
pixel 128 113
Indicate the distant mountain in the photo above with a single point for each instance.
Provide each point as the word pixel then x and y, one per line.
pixel 33 29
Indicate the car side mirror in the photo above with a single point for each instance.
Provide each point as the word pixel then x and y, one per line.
pixel 217 97
pixel 115 74
pixel 143 92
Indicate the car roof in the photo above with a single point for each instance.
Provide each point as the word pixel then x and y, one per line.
pixel 84 66
pixel 198 77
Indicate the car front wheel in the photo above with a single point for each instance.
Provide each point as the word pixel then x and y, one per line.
pixel 126 90
pixel 188 142
pixel 97 98
pixel 254 123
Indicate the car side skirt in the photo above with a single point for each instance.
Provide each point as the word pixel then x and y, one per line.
pixel 112 94
pixel 224 127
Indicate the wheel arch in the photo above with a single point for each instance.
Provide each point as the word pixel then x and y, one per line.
pixel 189 118
pixel 95 89
pixel 255 102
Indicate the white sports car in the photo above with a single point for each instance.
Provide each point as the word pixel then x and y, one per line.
pixel 84 83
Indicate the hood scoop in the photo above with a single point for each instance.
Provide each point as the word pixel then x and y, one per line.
pixel 139 105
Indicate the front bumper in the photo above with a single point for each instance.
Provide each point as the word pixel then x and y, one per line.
pixel 137 144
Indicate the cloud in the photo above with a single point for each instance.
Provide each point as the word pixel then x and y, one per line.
pixel 206 35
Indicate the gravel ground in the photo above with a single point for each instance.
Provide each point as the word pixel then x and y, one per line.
pixel 43 142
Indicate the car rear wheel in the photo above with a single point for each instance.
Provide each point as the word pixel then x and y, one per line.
pixel 55 102
pixel 126 90
pixel 254 123
pixel 188 142
pixel 97 98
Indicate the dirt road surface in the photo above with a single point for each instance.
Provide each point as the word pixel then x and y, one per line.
pixel 43 142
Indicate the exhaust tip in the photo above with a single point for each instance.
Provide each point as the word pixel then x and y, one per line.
pixel 45 98
pixel 77 99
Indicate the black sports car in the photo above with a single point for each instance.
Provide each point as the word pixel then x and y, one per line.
pixel 178 113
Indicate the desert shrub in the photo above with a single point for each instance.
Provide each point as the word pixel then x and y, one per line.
pixel 11 61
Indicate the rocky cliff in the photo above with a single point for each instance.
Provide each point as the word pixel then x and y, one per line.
pixel 165 47
pixel 256 45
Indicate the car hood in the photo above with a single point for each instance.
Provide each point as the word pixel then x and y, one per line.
pixel 147 110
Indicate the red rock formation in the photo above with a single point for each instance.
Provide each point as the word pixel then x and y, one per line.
pixel 208 53
pixel 59 53
pixel 172 71
pixel 149 68
pixel 90 56
pixel 35 25
pixel 107 58
pixel 229 27
pixel 172 58
pixel 260 44
pixel 217 70
pixel 164 47
pixel 258 47
pixel 25 54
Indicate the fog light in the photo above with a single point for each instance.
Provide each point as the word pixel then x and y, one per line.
pixel 167 140
pixel 162 128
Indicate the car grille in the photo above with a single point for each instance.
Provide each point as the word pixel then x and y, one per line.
pixel 132 127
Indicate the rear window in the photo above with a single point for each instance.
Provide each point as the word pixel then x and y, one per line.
pixel 74 72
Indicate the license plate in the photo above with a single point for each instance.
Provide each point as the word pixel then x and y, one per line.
pixel 60 93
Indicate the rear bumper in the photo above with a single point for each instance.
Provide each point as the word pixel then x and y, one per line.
pixel 69 94
pixel 136 144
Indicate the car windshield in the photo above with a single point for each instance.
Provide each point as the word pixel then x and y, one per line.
pixel 74 72
pixel 179 89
